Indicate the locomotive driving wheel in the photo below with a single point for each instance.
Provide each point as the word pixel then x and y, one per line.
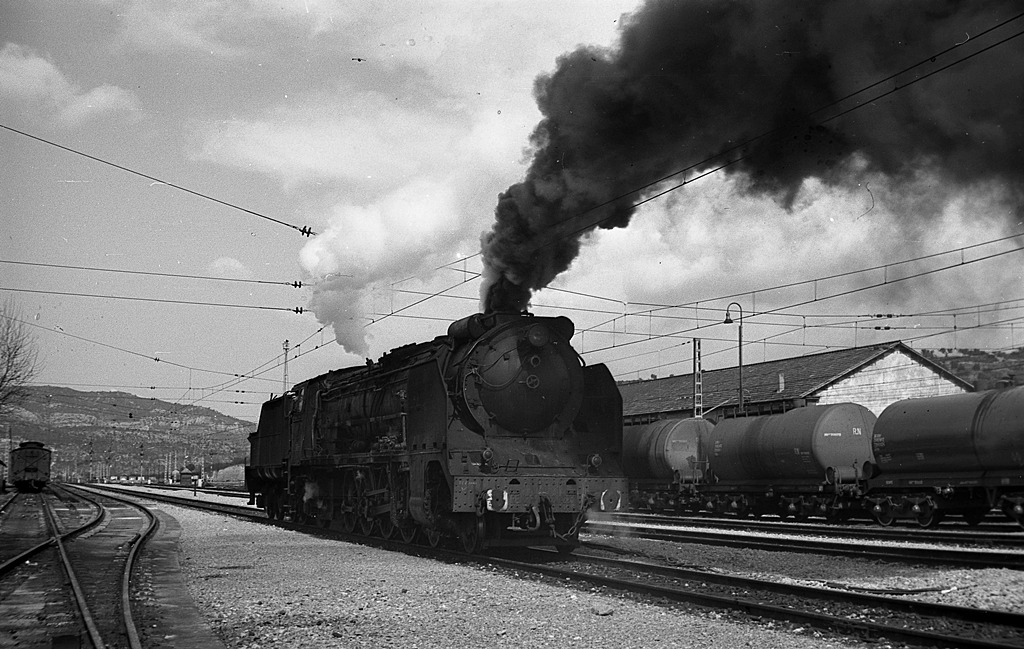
pixel 471 534
pixel 364 509
pixel 432 536
pixel 407 533
pixel 349 501
pixel 386 526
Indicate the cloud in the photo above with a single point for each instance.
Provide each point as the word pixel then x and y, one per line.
pixel 364 137
pixel 229 267
pixel 31 79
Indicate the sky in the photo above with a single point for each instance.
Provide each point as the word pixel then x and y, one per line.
pixel 846 173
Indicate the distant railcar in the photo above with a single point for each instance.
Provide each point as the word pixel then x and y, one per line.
pixel 30 466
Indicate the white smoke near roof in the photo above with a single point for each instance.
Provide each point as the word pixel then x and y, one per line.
pixel 367 247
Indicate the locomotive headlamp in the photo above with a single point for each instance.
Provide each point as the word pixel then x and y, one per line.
pixel 488 454
pixel 538 335
pixel 594 461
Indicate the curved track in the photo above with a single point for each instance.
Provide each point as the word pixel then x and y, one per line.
pixel 69 552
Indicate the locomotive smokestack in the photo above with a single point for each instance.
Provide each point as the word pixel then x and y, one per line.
pixel 691 81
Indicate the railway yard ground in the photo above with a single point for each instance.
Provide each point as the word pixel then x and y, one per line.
pixel 255 586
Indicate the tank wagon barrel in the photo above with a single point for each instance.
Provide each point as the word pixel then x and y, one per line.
pixel 666 462
pixel 961 454
pixel 805 461
pixel 495 434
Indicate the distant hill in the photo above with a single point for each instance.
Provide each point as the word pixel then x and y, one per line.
pixel 985 369
pixel 116 433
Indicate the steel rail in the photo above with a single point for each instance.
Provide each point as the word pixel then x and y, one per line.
pixel 943 534
pixel 756 608
pixel 901 554
pixel 83 606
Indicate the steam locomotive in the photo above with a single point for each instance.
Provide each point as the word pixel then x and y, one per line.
pixel 921 459
pixel 30 467
pixel 493 435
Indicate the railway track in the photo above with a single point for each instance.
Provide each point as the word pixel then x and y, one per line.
pixel 912 553
pixel 862 614
pixel 995 533
pixel 65 554
pixel 833 607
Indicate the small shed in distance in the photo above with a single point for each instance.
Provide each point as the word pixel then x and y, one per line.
pixel 873 376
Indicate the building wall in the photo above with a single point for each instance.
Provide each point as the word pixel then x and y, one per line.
pixel 894 377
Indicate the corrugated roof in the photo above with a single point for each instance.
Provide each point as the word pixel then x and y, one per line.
pixel 802 377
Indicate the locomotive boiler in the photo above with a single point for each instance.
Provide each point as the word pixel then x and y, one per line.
pixel 495 434
pixel 30 467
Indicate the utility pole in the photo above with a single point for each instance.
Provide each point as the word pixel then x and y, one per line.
pixel 284 383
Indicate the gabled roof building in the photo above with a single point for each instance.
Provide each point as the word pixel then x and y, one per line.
pixel 873 376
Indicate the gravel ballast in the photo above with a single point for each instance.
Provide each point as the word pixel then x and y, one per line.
pixel 260 586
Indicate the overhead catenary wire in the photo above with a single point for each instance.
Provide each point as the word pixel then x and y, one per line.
pixel 293 283
pixel 297 309
pixel 304 230
pixel 828 297
pixel 62 332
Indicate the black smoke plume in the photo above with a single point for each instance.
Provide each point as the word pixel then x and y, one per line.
pixel 690 81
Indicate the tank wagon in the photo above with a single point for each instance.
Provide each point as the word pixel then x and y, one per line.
pixel 960 454
pixel 30 467
pixel 806 461
pixel 666 463
pixel 495 434
pixel 921 459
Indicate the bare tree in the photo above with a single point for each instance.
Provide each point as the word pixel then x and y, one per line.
pixel 18 356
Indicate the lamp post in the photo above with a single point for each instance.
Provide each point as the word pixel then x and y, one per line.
pixel 728 320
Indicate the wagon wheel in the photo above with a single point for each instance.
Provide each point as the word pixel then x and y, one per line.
pixel 741 508
pixel 885 516
pixel 1010 508
pixel 471 534
pixel 349 500
pixel 929 517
